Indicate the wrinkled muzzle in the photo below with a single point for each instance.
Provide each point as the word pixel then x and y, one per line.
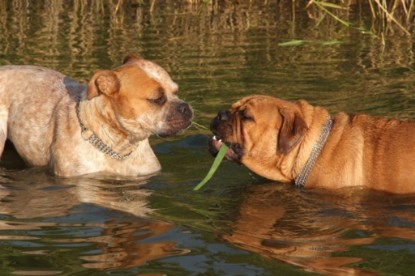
pixel 178 117
pixel 222 126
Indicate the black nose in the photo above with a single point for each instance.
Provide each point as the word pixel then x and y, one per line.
pixel 185 109
pixel 223 115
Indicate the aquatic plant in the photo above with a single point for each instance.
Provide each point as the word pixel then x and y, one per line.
pixel 385 16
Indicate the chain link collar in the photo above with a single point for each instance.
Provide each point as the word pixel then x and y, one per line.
pixel 315 152
pixel 96 141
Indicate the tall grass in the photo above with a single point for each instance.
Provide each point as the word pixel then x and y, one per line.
pixel 386 15
pixel 70 28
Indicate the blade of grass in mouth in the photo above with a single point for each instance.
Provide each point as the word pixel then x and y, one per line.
pixel 218 159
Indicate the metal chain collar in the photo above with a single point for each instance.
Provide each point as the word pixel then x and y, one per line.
pixel 315 152
pixel 97 142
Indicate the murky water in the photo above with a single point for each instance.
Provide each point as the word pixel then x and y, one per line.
pixel 238 224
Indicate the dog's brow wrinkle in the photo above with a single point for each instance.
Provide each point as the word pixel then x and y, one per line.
pixel 161 91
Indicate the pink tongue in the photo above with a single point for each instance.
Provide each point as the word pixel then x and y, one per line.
pixel 230 154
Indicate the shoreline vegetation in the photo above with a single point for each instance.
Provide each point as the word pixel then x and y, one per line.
pixel 379 18
pixel 385 15
pixel 58 33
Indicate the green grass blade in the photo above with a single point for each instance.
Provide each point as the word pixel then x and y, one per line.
pixel 294 42
pixel 323 8
pixel 221 154
pixel 330 42
pixel 331 5
pixel 199 126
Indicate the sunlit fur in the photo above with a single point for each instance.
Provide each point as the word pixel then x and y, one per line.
pixel 120 106
pixel 360 151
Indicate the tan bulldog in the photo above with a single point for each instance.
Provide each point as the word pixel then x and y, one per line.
pixel 296 142
pixel 104 126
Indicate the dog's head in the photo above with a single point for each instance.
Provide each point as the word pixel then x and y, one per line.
pixel 261 131
pixel 143 98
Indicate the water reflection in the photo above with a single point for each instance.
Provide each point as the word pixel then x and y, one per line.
pixel 316 229
pixel 217 53
pixel 50 216
pixel 47 196
pixel 122 246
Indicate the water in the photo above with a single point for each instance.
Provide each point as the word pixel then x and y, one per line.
pixel 239 223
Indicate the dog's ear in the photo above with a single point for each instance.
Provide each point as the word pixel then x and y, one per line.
pixel 292 131
pixel 103 82
pixel 131 58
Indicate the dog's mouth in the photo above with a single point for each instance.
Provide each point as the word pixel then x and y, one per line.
pixel 175 127
pixel 234 152
pixel 179 119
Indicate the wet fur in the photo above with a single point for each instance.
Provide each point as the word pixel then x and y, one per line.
pixel 120 106
pixel 361 150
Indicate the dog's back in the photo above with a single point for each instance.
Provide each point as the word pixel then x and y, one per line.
pixel 28 97
pixel 383 149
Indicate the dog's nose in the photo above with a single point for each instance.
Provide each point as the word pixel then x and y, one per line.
pixel 223 116
pixel 185 109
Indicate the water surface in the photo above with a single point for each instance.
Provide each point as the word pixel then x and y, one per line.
pixel 239 223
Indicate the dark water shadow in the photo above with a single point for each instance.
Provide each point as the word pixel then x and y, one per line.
pixel 10 159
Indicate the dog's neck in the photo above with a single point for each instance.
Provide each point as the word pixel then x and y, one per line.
pixel 301 179
pixel 110 139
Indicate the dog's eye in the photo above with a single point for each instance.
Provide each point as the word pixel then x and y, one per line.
pixel 159 101
pixel 245 116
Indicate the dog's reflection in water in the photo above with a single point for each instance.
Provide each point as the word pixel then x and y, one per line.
pixel 310 229
pixel 87 210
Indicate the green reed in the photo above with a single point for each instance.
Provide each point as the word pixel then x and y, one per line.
pixel 385 15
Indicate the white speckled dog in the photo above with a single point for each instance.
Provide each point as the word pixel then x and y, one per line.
pixel 100 127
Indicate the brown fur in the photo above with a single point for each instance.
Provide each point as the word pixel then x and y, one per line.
pixel 122 107
pixel 274 138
